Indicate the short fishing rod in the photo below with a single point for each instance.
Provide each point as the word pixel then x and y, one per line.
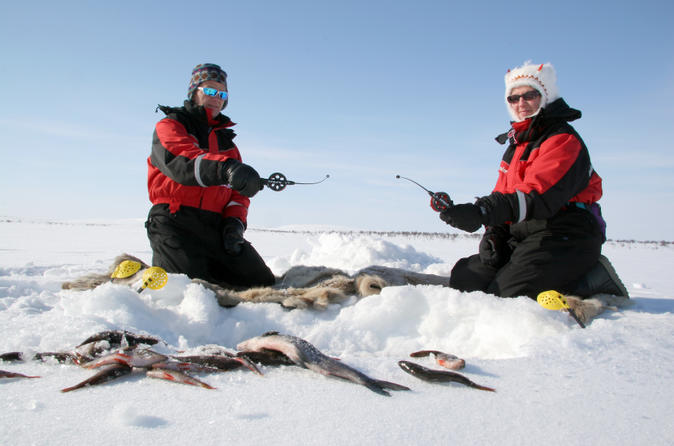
pixel 277 181
pixel 440 201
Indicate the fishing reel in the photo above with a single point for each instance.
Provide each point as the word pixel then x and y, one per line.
pixel 277 181
pixel 440 201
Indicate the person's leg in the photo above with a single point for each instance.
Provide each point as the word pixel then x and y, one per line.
pixel 601 279
pixel 470 274
pixel 246 269
pixel 175 244
pixel 561 251
pixel 544 263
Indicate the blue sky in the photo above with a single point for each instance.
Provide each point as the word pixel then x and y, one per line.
pixel 358 90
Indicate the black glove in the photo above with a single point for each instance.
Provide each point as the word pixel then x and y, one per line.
pixel 232 236
pixel 467 217
pixel 242 178
pixel 494 250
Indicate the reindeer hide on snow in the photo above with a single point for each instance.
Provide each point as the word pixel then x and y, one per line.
pixel 318 286
pixel 300 287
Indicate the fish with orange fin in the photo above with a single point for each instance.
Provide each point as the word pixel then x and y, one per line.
pixel 157 365
pixel 107 373
pixel 131 357
pixel 176 376
pixel 446 360
pixel 6 374
pixel 439 376
pixel 116 353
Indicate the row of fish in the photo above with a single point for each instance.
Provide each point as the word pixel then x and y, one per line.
pixel 119 353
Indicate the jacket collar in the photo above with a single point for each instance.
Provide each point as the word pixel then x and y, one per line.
pixel 219 121
pixel 531 128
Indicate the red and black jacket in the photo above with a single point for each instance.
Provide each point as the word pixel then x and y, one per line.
pixel 186 166
pixel 545 168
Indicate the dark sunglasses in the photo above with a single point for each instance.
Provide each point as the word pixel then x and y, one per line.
pixel 213 92
pixel 528 96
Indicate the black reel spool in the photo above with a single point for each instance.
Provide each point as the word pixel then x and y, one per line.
pixel 439 201
pixel 277 182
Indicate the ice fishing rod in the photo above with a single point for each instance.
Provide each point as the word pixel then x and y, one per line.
pixel 277 181
pixel 440 201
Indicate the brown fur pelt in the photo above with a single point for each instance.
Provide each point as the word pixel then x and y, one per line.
pixel 91 281
pixel 300 287
pixel 335 289
pixel 587 309
pixel 317 287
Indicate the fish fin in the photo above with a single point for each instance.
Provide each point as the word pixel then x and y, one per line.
pixel 391 386
pixel 451 363
pixel 248 364
pixel 376 387
pixel 106 374
pixel 178 377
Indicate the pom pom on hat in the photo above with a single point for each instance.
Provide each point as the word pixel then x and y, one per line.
pixel 540 77
pixel 205 72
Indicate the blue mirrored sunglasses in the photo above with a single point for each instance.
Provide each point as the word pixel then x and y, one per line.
pixel 213 92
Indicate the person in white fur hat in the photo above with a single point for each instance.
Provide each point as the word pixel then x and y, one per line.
pixel 543 223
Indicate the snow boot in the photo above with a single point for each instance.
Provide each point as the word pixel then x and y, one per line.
pixel 601 279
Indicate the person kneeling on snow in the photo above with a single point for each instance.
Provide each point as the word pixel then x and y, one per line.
pixel 544 228
pixel 200 190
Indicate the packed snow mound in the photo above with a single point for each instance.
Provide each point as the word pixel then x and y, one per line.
pixel 539 361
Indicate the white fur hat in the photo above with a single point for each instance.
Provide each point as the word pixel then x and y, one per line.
pixel 541 77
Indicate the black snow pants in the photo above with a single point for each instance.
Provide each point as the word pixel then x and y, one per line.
pixel 190 242
pixel 550 254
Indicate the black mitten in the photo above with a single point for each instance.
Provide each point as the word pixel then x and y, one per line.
pixel 467 217
pixel 494 250
pixel 232 236
pixel 242 178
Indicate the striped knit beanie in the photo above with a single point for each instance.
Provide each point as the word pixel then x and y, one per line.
pixel 205 72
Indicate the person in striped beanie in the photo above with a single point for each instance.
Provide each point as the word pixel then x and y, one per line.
pixel 200 190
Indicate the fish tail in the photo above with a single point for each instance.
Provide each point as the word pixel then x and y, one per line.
pixel 107 374
pixel 479 387
pixel 391 386
pixel 178 377
pixel 376 387
pixel 75 387
pixel 248 364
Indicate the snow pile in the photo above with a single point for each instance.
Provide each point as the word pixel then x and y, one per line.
pixel 539 361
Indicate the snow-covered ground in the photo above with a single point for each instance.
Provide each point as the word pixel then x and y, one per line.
pixel 611 383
